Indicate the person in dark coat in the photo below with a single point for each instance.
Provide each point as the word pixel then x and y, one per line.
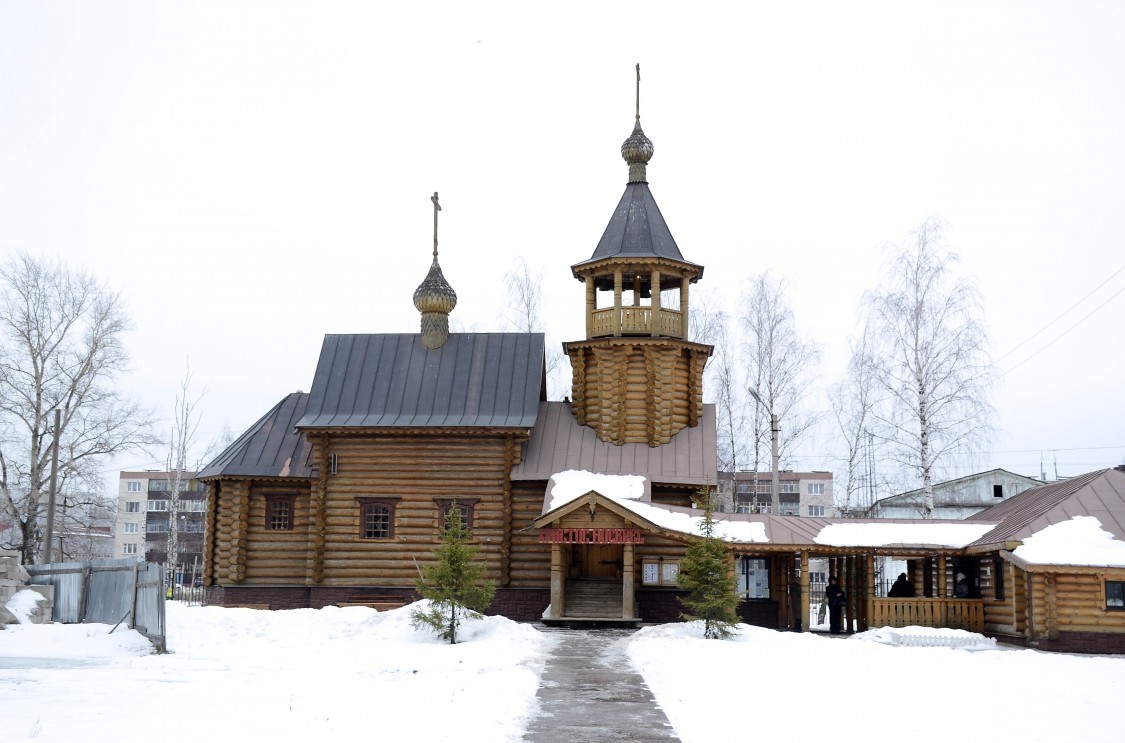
pixel 961 587
pixel 902 588
pixel 836 599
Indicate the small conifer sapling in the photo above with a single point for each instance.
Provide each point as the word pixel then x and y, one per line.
pixel 708 576
pixel 454 583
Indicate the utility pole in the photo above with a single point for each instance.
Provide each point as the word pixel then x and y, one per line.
pixel 775 488
pixel 48 548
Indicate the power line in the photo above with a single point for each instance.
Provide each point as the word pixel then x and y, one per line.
pixel 1060 316
pixel 1064 333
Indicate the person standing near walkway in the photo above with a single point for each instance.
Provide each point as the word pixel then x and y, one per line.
pixel 836 601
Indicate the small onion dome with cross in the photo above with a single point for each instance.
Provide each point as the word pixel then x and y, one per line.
pixel 435 298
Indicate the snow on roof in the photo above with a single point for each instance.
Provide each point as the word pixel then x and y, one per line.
pixel 864 534
pixel 1080 541
pixel 571 484
pixel 627 490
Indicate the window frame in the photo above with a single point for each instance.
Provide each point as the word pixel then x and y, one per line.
pixel 821 508
pixel 390 504
pixel 1119 593
pixel 132 506
pixel 275 499
pixel 467 506
pixel 129 548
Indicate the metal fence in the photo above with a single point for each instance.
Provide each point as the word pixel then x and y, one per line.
pixel 107 591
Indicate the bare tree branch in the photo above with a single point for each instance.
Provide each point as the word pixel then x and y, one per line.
pixel 60 349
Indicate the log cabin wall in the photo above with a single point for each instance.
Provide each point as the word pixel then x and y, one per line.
pixel 418 471
pixel 239 548
pixel 1068 612
pixel 277 555
pixel 674 496
pixel 1000 612
pixel 531 561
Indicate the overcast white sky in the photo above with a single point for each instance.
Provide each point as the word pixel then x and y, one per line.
pixel 254 175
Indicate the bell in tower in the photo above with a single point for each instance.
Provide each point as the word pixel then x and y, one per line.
pixel 637 377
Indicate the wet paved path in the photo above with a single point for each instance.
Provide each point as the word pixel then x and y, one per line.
pixel 590 694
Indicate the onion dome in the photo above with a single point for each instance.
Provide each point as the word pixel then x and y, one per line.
pixel 435 299
pixel 637 151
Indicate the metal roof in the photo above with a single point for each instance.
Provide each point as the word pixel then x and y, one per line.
pixel 1100 494
pixel 558 444
pixel 637 228
pixel 912 497
pixel 269 448
pixel 393 380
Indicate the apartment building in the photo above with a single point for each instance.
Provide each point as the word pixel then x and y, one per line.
pixel 146 513
pixel 799 493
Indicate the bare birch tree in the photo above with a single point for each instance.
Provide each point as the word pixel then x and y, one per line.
pixel 182 441
pixel 710 324
pixel 60 349
pixel 780 366
pixel 521 312
pixel 933 368
pixel 853 400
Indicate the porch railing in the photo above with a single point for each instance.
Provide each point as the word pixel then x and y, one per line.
pixel 966 614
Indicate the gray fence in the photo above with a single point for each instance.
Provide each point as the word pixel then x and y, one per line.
pixel 107 591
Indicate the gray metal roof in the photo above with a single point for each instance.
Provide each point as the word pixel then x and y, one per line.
pixel 558 444
pixel 1100 494
pixel 269 448
pixel 393 380
pixel 913 497
pixel 637 228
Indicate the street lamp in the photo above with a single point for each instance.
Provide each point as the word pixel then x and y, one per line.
pixel 775 498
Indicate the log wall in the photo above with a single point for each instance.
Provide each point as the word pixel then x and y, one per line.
pixel 325 546
pixel 641 392
pixel 1067 602
pixel 531 561
pixel 418 471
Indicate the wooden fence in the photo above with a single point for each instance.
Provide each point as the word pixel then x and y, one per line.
pixel 107 591
pixel 966 614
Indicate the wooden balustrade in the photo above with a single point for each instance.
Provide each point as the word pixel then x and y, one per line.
pixel 637 321
pixel 966 614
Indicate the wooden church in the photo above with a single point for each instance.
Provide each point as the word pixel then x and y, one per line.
pixel 582 508
pixel 338 496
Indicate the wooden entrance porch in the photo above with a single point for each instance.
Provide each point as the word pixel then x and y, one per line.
pixel 797 595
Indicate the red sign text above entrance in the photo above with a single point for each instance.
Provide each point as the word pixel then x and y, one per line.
pixel 591 536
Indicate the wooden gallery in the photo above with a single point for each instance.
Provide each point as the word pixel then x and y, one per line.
pixel 583 508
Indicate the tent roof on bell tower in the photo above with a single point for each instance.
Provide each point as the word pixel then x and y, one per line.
pixel 637 228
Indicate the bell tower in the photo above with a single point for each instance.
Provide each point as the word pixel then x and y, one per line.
pixel 637 378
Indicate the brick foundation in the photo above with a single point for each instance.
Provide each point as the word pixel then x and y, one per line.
pixel 1098 643
pixel 659 606
pixel 759 613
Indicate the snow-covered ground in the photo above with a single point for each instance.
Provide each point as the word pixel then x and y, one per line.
pixel 338 673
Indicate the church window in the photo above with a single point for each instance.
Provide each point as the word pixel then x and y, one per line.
pixel 279 512
pixel 465 506
pixel 377 518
